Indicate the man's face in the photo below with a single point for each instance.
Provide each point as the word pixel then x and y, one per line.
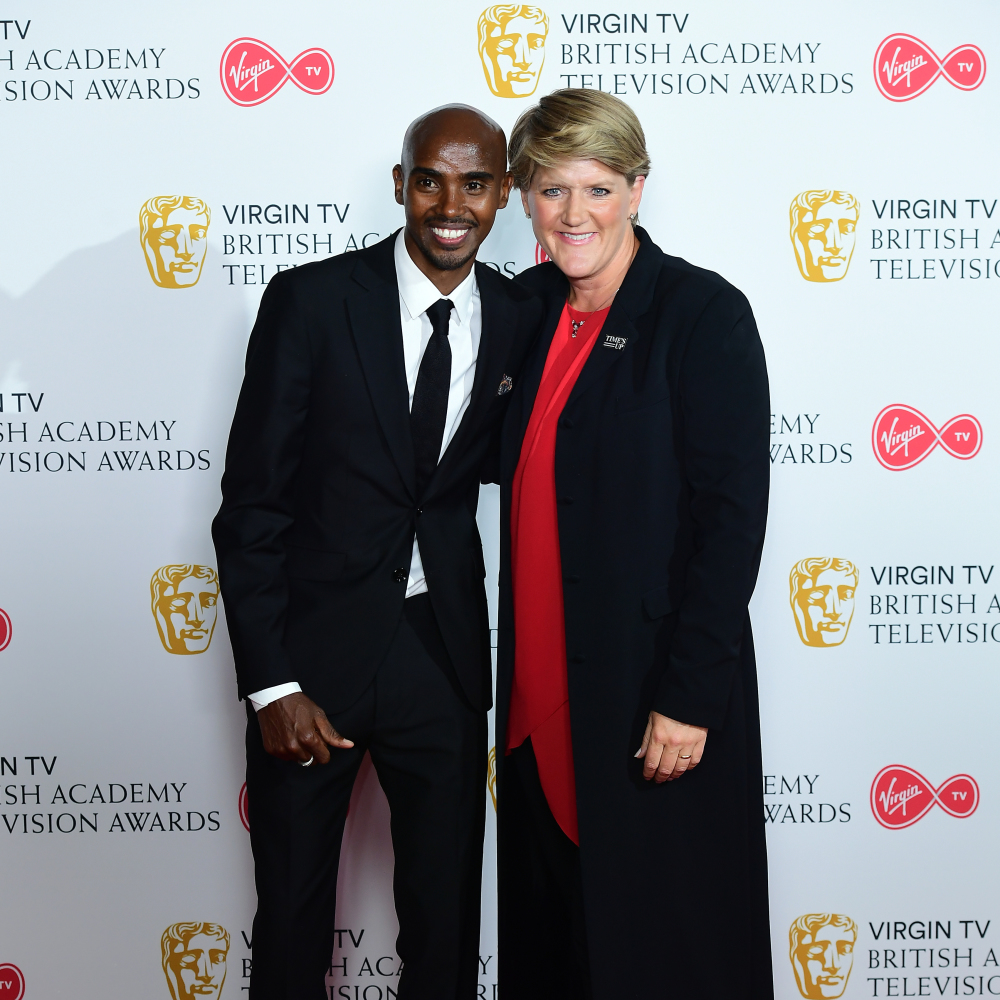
pixel 825 606
pixel 823 962
pixel 456 183
pixel 186 615
pixel 177 247
pixel 199 967
pixel 515 53
pixel 824 241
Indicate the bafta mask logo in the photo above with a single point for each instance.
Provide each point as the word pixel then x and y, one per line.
pixel 822 953
pixel 491 776
pixel 173 231
pixel 512 47
pixel 823 225
pixel 194 960
pixel 822 599
pixel 185 606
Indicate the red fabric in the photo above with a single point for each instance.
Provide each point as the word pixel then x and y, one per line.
pixel 539 705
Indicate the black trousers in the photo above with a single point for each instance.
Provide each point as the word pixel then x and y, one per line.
pixel 543 951
pixel 428 746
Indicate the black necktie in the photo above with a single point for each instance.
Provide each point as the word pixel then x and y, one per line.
pixel 430 395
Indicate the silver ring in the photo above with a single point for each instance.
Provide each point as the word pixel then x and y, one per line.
pixel 681 756
pixel 307 763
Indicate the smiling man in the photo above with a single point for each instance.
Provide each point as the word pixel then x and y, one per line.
pixel 352 568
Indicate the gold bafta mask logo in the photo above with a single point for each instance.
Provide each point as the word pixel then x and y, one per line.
pixel 512 47
pixel 822 599
pixel 185 606
pixel 821 948
pixel 491 776
pixel 823 229
pixel 194 960
pixel 173 231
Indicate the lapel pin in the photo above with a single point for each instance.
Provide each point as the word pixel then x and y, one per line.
pixel 616 343
pixel 505 386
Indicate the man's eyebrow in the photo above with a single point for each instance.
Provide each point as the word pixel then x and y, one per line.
pixel 472 175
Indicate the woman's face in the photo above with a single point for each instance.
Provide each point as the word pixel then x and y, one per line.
pixel 580 214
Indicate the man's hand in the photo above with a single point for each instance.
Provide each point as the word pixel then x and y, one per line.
pixel 670 748
pixel 295 728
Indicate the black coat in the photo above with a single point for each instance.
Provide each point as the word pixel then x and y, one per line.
pixel 662 481
pixel 315 533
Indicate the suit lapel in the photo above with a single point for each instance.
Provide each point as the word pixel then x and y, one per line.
pixel 603 357
pixel 373 308
pixel 499 320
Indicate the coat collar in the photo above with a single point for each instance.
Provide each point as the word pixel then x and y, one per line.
pixel 632 301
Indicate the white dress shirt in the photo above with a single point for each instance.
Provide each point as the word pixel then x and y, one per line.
pixel 416 294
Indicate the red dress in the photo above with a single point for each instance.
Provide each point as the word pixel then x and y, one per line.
pixel 539 704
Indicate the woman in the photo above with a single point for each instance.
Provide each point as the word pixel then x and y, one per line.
pixel 634 478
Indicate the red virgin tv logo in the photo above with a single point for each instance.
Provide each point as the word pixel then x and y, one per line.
pixel 6 630
pixel 244 807
pixel 900 796
pixel 252 72
pixel 11 982
pixel 902 437
pixel 905 67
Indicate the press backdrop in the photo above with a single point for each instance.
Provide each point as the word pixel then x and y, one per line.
pixel 159 165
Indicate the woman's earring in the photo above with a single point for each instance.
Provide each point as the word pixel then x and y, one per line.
pixel 527 215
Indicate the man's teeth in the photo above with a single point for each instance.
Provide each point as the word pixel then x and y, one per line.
pixel 449 234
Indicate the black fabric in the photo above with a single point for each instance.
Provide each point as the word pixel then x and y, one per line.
pixel 428 746
pixel 429 410
pixel 662 465
pixel 319 497
pixel 544 944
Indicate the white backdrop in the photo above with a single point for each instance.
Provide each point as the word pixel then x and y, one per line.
pixel 121 759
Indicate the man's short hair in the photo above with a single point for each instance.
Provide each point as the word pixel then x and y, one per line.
pixel 809 201
pixel 160 208
pixel 809 923
pixel 809 569
pixel 183 932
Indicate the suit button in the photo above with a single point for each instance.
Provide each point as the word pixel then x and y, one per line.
pixel 577 658
pixel 399 575
pixel 572 577
pixel 567 500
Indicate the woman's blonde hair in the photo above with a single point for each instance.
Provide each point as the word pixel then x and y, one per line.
pixel 577 124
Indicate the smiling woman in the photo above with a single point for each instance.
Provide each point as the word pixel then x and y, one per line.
pixel 634 479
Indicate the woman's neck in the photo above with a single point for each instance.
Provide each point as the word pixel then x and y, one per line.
pixel 597 291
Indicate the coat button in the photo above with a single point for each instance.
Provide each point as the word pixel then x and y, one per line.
pixel 567 500
pixel 399 575
pixel 577 658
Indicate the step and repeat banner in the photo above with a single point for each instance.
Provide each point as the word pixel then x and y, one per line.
pixel 159 168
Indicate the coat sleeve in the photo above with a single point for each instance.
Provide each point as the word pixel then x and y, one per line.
pixel 724 443
pixel 262 459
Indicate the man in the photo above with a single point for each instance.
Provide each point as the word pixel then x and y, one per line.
pixel 512 47
pixel 173 230
pixel 822 953
pixel 822 599
pixel 352 567
pixel 185 605
pixel 194 960
pixel 823 225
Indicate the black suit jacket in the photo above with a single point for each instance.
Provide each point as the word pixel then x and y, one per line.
pixel 661 471
pixel 315 533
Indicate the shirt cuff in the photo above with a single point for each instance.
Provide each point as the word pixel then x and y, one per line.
pixel 260 699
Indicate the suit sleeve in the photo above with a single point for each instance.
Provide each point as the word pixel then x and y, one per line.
pixel 724 441
pixel 262 459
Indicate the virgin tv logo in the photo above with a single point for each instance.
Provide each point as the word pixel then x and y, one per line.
pixel 540 255
pixel 6 630
pixel 900 796
pixel 902 437
pixel 252 72
pixel 244 807
pixel 11 982
pixel 905 67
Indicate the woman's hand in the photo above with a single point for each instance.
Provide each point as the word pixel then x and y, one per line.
pixel 670 748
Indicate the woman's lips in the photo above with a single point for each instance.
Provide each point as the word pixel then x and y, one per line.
pixel 576 239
